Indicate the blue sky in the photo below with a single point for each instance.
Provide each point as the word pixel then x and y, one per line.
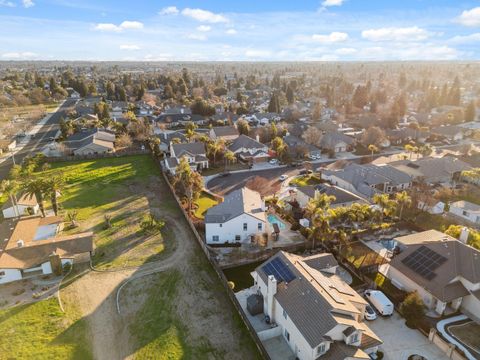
pixel 263 30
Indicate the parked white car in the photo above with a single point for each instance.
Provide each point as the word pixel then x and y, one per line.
pixel 273 161
pixel 378 299
pixel 283 177
pixel 370 314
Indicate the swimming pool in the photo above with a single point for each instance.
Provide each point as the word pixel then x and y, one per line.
pixel 273 219
pixel 388 244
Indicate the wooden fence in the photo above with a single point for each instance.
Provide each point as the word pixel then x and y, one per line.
pixel 220 274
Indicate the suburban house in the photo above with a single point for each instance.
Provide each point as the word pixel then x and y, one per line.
pixel 226 133
pixel 194 152
pixel 33 246
pixel 452 133
pixel 465 210
pixel 304 194
pixel 166 137
pixel 25 205
pixel 249 150
pixel 336 142
pixel 443 270
pixel 430 170
pixel 405 135
pixel 239 218
pixel 7 145
pixel 368 180
pixel 315 312
pixel 298 148
pixel 90 141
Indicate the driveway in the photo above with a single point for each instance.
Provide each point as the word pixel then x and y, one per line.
pixel 399 342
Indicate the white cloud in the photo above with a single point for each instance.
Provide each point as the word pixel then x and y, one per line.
pixel 465 39
pixel 231 32
pixel 204 28
pixel 200 37
pixel 169 10
pixel 345 51
pixel 131 25
pixel 470 17
pixel 158 57
pixel 19 55
pixel 327 3
pixel 418 51
pixel 28 3
pixel 253 53
pixel 129 47
pixel 6 3
pixel 413 33
pixel 204 16
pixel 333 37
pixel 126 25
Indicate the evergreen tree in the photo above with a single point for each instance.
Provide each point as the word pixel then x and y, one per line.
pixel 470 112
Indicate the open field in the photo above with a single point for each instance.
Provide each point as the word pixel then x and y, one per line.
pixel 124 190
pixel 41 331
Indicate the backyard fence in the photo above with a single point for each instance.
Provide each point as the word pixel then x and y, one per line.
pixel 220 274
pixel 448 348
pixel 97 156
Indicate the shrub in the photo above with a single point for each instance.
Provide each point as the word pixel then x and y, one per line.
pixel 413 309
pixel 151 225
pixel 67 267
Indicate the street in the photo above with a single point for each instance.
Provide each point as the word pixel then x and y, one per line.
pixel 39 140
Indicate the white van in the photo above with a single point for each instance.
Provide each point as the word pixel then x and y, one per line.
pixel 378 299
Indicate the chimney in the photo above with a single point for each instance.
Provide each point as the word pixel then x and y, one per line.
pixel 20 243
pixel 271 291
pixel 464 235
pixel 257 137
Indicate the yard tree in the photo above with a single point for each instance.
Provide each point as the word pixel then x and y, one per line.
pixel 54 186
pixel 320 226
pixel 372 148
pixel 274 104
pixel 402 199
pixel 319 201
pixel 243 127
pixel 37 187
pixel 10 187
pixel 373 135
pixel 312 136
pixel 290 95
pixel 187 182
pixel 470 111
pixel 383 201
pixel 279 146
pixel 123 141
pixel 413 309
pixel 229 157
pixel 190 128
pixel 214 148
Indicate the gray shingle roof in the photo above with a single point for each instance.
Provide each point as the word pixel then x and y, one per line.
pixel 341 196
pixel 225 131
pixel 235 204
pixel 244 141
pixel 195 148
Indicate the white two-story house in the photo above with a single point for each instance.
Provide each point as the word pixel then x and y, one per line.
pixel 249 150
pixel 318 314
pixel 237 219
pixel 195 154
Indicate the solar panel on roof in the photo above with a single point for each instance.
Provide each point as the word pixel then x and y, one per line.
pixel 279 270
pixel 424 262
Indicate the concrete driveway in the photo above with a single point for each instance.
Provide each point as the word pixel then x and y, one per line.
pixel 399 342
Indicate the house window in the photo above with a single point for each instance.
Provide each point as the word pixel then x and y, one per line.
pixel 321 349
pixel 237 238
pixel 260 226
pixel 2 273
pixel 215 238
pixel 220 225
pixel 465 213
pixel 287 335
pixel 354 338
pixel 245 226
pixel 285 314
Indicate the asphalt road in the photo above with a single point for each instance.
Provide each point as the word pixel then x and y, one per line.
pixel 49 129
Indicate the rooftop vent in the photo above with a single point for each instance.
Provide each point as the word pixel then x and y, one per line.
pixel 20 243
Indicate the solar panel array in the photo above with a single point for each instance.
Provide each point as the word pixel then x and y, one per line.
pixel 277 268
pixel 424 262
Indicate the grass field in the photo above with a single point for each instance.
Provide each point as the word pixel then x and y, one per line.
pixel 41 331
pixel 205 202
pixel 125 189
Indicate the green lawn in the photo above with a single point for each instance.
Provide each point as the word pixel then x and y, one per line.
pixel 158 332
pixel 204 202
pixel 118 187
pixel 41 331
pixel 305 180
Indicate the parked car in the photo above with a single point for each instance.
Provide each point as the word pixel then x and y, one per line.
pixel 283 177
pixel 305 172
pixel 225 174
pixel 273 161
pixel 370 314
pixel 378 299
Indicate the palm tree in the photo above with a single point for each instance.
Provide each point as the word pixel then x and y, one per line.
pixel 403 199
pixel 190 128
pixel 372 148
pixel 319 201
pixel 381 200
pixel 38 188
pixel 229 157
pixel 54 186
pixel 10 188
pixel 214 148
pixel 320 226
pixel 72 217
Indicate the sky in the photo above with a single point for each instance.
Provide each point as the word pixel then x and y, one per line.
pixel 247 30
